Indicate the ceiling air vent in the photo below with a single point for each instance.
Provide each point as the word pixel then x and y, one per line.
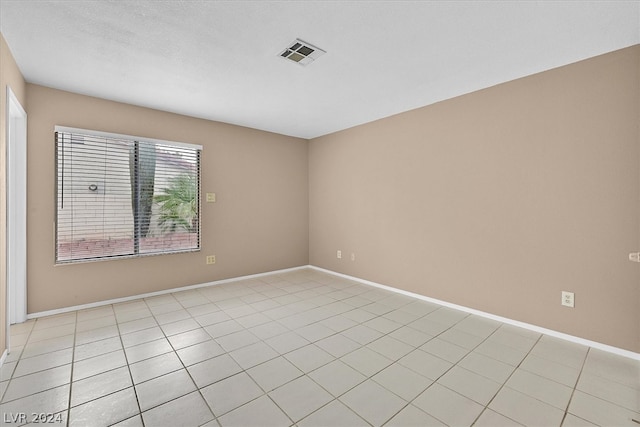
pixel 302 52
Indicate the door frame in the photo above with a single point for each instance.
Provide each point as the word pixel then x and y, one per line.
pixel 16 216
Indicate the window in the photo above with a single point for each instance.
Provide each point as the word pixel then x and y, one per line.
pixel 124 196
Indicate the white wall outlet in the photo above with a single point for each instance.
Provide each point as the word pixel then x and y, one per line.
pixel 634 256
pixel 353 256
pixel 211 259
pixel 211 197
pixel 339 254
pixel 568 299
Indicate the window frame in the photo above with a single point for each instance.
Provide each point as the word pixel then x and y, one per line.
pixel 134 139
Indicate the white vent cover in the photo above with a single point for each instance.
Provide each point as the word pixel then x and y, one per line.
pixel 302 52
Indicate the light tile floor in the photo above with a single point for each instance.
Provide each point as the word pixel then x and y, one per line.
pixel 309 349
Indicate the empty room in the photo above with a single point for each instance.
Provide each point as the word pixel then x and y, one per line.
pixel 319 213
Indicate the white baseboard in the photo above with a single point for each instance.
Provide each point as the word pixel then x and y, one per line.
pixel 153 294
pixel 556 334
pixel 550 332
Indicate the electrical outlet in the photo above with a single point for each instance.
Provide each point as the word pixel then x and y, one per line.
pixel 211 259
pixel 634 256
pixel 211 197
pixel 568 299
pixel 339 254
pixel 353 256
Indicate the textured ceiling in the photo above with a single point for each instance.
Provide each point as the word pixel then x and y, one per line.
pixel 219 60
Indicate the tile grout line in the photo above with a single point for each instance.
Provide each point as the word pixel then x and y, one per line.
pixel 126 359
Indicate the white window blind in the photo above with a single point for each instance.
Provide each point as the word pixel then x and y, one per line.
pixel 124 196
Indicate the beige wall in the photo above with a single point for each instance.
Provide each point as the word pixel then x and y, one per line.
pixel 259 223
pixel 9 76
pixel 498 200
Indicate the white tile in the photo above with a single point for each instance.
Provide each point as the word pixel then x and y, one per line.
pixel 337 377
pixel 383 325
pixel 525 409
pixel 600 412
pixel 106 410
pixel 253 354
pixel 611 391
pixel 338 323
pixel 541 388
pixel 444 350
pixel 96 348
pixel 237 340
pixel 6 370
pixel 300 397
pixel 446 316
pixel 286 342
pixel 47 346
pixel 410 336
pixel 613 367
pixel 96 334
pixel 212 318
pixel 487 367
pixel 425 364
pixel 573 421
pixel 402 381
pixel 129 315
pixel 135 421
pixel 199 352
pixel 163 389
pixel 366 361
pixel 141 337
pixel 212 370
pixel 96 365
pixel 173 316
pixel 411 416
pixel 165 308
pixel 95 313
pixel 390 347
pixel 461 338
pixel 268 330
pixel 510 355
pixel 49 322
pixel 100 322
pixel 48 333
pixel 100 385
pixel 186 339
pixel 154 367
pixel 230 393
pixel 448 406
pixel 137 325
pixel 186 411
pixel 223 328
pixel 179 327
pixel 3 388
pixel 35 383
pixel 147 350
pixel 315 332
pixel 561 351
pixel 202 309
pixel 478 326
pixel 490 418
pixel 515 337
pixel 335 413
pixel 551 370
pixel 42 362
pixel 253 319
pixel 309 357
pixel 50 401
pixel 373 402
pixel 362 334
pixel 261 412
pixel 469 384
pixel 274 373
pixel 337 345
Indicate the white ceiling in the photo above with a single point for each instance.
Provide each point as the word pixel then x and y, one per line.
pixel 219 60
